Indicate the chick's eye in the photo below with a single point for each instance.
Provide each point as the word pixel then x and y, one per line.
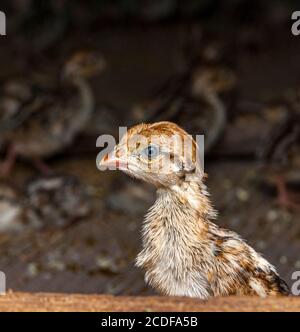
pixel 151 151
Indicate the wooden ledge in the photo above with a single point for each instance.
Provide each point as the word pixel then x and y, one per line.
pixel 45 302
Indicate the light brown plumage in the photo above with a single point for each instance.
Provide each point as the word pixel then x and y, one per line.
pixel 184 253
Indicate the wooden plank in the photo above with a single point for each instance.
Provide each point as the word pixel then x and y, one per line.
pixel 45 302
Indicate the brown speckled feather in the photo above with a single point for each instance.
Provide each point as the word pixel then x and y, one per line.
pixel 184 253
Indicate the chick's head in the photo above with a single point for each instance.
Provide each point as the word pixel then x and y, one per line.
pixel 161 153
pixel 84 64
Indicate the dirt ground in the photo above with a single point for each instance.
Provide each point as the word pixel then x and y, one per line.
pixel 96 255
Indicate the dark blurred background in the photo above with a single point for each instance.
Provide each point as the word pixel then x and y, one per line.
pixel 155 52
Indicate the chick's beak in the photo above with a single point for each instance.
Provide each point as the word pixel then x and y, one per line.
pixel 111 161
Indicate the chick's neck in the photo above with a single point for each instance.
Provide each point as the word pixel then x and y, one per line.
pixel 184 206
pixel 180 216
pixel 86 98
